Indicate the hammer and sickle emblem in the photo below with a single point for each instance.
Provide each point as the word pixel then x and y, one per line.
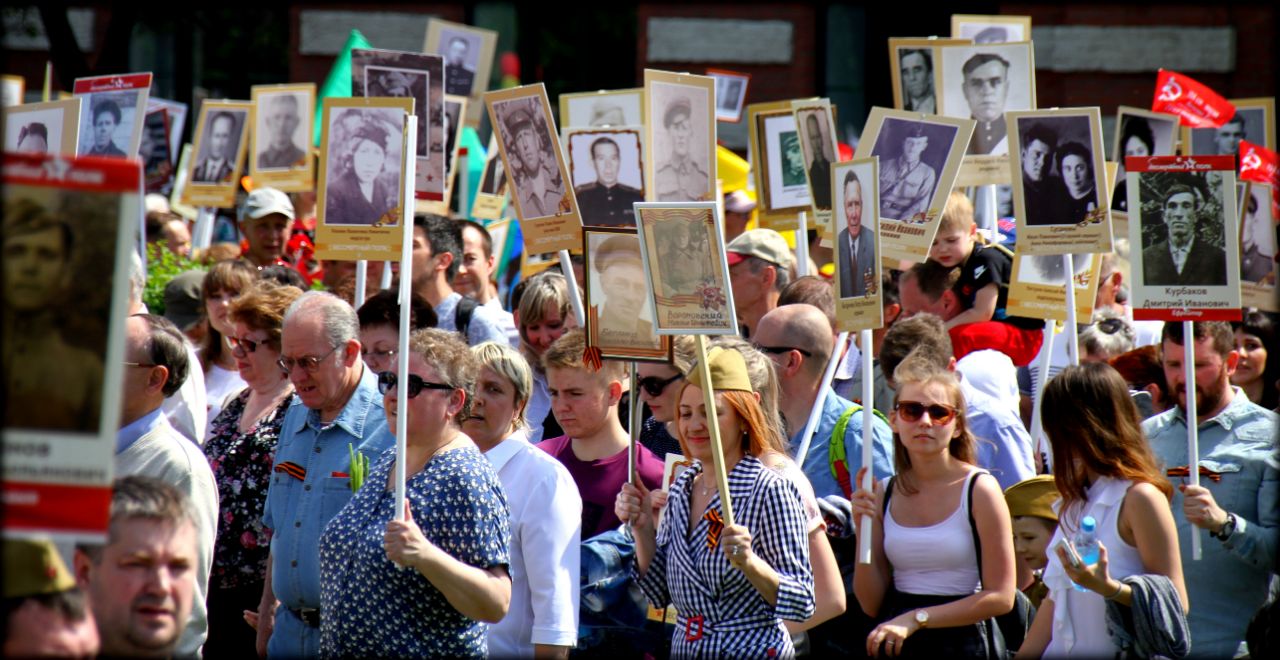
pixel 1171 91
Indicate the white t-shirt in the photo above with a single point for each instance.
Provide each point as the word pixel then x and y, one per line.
pixel 219 384
pixel 992 373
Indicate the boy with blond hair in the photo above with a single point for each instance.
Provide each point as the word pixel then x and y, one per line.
pixel 594 447
pixel 982 287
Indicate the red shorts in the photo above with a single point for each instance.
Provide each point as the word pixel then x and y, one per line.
pixel 1020 344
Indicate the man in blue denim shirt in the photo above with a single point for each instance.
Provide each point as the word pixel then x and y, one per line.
pixel 337 405
pixel 1238 500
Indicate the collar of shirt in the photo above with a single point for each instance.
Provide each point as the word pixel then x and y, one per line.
pixel 742 477
pixel 504 451
pixel 139 427
pixel 1234 412
pixel 353 415
pixel 832 406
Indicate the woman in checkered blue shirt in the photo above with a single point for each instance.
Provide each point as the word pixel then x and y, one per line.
pixel 732 586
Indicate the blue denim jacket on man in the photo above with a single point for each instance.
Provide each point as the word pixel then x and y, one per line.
pixel 1230 582
pixel 297 510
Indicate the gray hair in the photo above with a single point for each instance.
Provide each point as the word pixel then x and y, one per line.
pixel 510 364
pixel 756 264
pixel 1108 336
pixel 341 324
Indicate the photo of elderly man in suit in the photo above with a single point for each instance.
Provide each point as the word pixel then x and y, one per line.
pixel 856 244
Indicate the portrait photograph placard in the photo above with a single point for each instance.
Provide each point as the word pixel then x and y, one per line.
pixel 468 59
pixel 686 268
pixel 1037 288
pixel 1258 248
pixel 857 244
pixel 157 169
pixel 541 187
pixel 818 144
pixel 491 192
pixel 360 201
pixel 619 107
pixel 222 137
pixel 619 308
pixel 396 74
pixel 919 160
pixel 681 141
pixel 113 113
pixel 1059 181
pixel 1138 132
pixel 991 29
pixel 731 94
pixel 177 113
pixel 1185 262
pixel 455 113
pixel 915 74
pixel 280 155
pixel 12 89
pixel 1255 121
pixel 982 82
pixel 781 183
pixel 607 165
pixel 51 127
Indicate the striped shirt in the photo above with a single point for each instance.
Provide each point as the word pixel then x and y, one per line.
pixel 720 613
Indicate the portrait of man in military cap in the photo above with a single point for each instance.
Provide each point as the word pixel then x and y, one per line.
pixel 680 178
pixel 617 294
pixel 363 167
pixel 539 184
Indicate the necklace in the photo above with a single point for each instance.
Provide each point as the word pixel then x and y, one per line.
pixel 703 489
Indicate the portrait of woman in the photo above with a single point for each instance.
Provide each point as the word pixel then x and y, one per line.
pixel 358 192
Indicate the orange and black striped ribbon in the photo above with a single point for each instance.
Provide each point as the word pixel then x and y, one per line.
pixel 1185 471
pixel 292 469
pixel 714 529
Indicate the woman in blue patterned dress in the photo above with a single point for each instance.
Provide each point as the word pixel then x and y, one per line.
pixel 732 585
pixel 454 537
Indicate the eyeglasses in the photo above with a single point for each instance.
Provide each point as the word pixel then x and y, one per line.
pixel 387 380
pixel 912 411
pixel 246 345
pixel 779 350
pixel 377 355
pixel 309 363
pixel 654 386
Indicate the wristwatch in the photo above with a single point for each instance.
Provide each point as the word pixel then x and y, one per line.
pixel 922 618
pixel 1228 528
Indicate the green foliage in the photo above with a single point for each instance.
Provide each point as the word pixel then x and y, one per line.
pixel 359 467
pixel 162 266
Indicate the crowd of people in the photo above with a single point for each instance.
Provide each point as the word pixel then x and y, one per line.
pixel 254 511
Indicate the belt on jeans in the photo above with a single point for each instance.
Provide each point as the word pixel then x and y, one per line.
pixel 308 615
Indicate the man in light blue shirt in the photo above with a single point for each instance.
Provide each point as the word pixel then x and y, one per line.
pixel 1238 500
pixel 337 408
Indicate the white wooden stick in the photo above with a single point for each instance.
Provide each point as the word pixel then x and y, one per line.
pixel 386 275
pixel 1193 423
pixel 802 246
pixel 713 428
pixel 566 265
pixel 810 424
pixel 868 417
pixel 1037 427
pixel 362 277
pixel 406 276
pixel 1073 335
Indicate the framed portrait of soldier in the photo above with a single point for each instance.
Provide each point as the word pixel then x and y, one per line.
pixel 817 131
pixel 607 166
pixel 220 144
pixel 991 29
pixel 1257 247
pixel 455 113
pixel 731 94
pixel 1037 287
pixel 280 155
pixel 914 72
pixel 686 268
pixel 541 186
pixel 112 115
pixel 1254 120
pixel 491 191
pixel 605 108
pixel 854 197
pixel 1183 229
pixel 781 182
pixel 982 83
pixel 361 197
pixel 51 127
pixel 468 59
pixel 177 113
pixel 681 140
pixel 396 74
pixel 157 169
pixel 1140 133
pixel 919 159
pixel 619 308
pixel 1059 176
pixel 12 89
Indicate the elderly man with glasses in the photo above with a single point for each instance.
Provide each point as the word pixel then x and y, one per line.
pixel 338 412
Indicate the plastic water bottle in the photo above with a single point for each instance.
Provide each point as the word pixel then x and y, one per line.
pixel 1086 544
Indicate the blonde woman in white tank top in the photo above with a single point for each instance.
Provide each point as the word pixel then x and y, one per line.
pixel 925 583
pixel 1105 469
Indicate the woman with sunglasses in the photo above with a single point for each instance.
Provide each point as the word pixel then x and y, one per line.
pixel 660 391
pixel 241 448
pixel 942 562
pixel 425 585
pixel 733 586
pixel 543 314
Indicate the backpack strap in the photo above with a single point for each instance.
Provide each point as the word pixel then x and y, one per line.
pixel 973 524
pixel 837 458
pixel 462 315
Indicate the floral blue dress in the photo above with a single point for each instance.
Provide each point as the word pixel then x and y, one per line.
pixel 370 607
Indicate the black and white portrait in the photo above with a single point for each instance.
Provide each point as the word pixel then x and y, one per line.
pixel 157 169
pixel 1257 235
pixel 620 316
pixel 602 109
pixel 461 51
pixel 1139 133
pixel 816 140
pixel 683 154
pixel 1248 123
pixel 364 166
pixel 282 128
pixel 453 130
pixel 32 131
pixel 855 201
pixel 916 79
pixel 494 181
pixel 731 94
pixel 1060 185
pixel 992 33
pixel 218 145
pixel 912 156
pixel 530 147
pixel 396 74
pixel 982 83
pixel 1049 268
pixel 107 122
pixel 608 174
pixel 1183 227
pixel 783 159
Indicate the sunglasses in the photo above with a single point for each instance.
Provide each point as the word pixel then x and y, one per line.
pixel 654 386
pixel 912 411
pixel 779 350
pixel 387 381
pixel 246 345
pixel 308 363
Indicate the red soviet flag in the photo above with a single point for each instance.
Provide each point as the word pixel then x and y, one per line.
pixel 1195 103
pixel 1260 164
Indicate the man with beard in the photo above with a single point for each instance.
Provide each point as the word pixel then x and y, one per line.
pixel 986 88
pixel 541 190
pixel 1042 194
pixel 1183 257
pixel 680 179
pixel 819 164
pixel 917 80
pixel 605 201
